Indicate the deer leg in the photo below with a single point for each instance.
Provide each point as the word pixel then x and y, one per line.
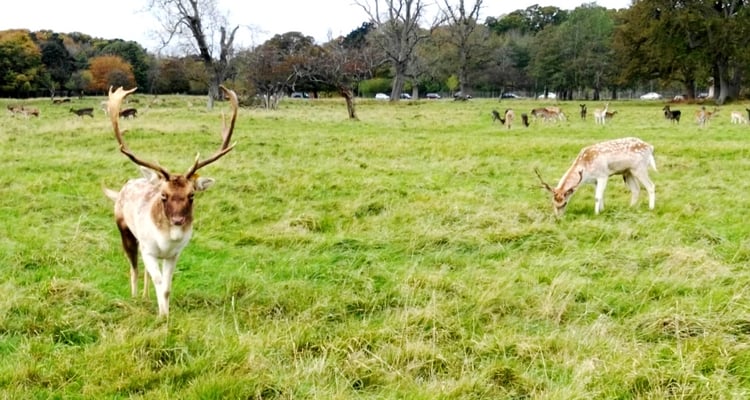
pixel 635 188
pixel 642 176
pixel 601 184
pixel 130 244
pixel 152 267
pixel 145 283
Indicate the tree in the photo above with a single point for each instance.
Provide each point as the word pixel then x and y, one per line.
pixel 20 62
pixel 342 64
pixel 135 55
pixel 109 71
pixel 465 35
pixel 686 41
pixel 585 48
pixel 195 22
pixel 272 68
pixel 397 35
pixel 58 62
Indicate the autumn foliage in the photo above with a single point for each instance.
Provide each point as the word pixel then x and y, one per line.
pixel 109 71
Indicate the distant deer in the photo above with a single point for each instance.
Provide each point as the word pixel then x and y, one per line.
pixel 738 118
pixel 496 117
pixel 629 157
pixel 600 115
pixel 155 213
pixel 510 115
pixel 128 113
pixel 81 112
pixel 702 116
pixel 583 111
pixel 525 119
pixel 673 115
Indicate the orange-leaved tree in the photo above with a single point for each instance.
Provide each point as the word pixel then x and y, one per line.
pixel 109 71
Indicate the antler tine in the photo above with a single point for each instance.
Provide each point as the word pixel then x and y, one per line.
pixel 113 107
pixel 544 184
pixel 226 135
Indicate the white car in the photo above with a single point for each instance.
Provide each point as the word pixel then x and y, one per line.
pixel 382 96
pixel 651 96
pixel 550 95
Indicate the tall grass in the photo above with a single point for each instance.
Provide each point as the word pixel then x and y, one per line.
pixel 410 254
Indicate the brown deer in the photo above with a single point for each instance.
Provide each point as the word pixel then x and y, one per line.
pixel 629 157
pixel 154 214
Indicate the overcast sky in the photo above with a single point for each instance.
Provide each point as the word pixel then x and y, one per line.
pixel 258 19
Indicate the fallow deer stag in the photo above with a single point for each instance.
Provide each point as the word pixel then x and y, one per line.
pixel 155 213
pixel 630 157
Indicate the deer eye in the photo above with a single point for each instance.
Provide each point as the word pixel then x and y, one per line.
pixel 190 196
pixel 163 197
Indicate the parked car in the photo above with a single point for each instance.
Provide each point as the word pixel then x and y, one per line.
pixel 509 95
pixel 433 96
pixel 300 95
pixel 382 96
pixel 550 95
pixel 459 95
pixel 406 96
pixel 651 96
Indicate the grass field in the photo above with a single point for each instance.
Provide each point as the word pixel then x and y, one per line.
pixel 409 255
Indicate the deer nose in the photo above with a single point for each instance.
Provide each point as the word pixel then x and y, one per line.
pixel 178 220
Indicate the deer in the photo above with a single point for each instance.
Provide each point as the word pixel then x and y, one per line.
pixel 81 112
pixel 510 115
pixel 496 117
pixel 738 118
pixel 673 115
pixel 154 214
pixel 129 113
pixel 630 157
pixel 600 115
pixel 584 111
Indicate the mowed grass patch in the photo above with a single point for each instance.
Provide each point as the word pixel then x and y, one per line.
pixel 408 254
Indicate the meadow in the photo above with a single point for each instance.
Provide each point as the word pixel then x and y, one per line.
pixel 411 254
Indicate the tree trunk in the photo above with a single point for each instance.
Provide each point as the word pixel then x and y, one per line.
pixel 348 95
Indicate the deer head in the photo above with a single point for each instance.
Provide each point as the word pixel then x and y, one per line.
pixel 176 191
pixel 560 196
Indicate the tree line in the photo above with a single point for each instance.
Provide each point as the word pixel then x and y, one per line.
pixel 678 46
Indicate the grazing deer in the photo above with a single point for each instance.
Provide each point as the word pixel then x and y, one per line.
pixel 525 119
pixel 81 112
pixel 600 115
pixel 155 213
pixel 610 114
pixel 583 111
pixel 496 117
pixel 738 118
pixel 629 157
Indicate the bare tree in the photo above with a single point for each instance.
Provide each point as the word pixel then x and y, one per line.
pixel 196 23
pixel 397 34
pixel 462 25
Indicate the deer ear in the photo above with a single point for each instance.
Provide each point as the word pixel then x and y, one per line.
pixel 150 175
pixel 202 183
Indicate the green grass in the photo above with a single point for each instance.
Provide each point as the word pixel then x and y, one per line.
pixel 407 255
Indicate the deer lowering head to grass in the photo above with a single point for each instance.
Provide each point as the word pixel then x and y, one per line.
pixel 630 157
pixel 155 213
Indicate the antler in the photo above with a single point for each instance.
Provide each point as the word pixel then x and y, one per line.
pixel 226 135
pixel 113 106
pixel 544 184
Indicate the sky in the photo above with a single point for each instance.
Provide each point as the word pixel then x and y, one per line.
pixel 258 20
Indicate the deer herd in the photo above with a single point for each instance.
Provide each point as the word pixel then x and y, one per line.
pixel 154 213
